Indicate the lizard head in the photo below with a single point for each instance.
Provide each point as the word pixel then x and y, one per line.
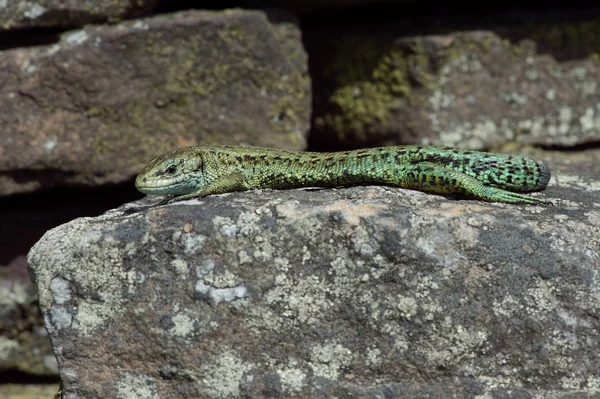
pixel 177 172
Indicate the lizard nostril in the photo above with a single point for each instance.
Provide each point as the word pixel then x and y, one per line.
pixel 144 180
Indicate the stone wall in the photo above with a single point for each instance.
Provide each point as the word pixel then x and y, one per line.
pixel 430 297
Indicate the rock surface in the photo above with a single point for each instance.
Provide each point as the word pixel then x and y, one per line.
pixel 95 107
pixel 68 13
pixel 473 87
pixel 24 344
pixel 357 292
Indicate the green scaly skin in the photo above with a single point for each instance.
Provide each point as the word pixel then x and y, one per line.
pixel 199 171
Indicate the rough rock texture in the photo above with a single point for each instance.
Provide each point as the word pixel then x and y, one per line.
pixel 361 292
pixel 68 13
pixel 535 84
pixel 95 107
pixel 24 343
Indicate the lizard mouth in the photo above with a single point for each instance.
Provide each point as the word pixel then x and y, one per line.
pixel 159 187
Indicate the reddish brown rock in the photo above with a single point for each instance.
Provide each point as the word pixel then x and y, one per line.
pixel 95 107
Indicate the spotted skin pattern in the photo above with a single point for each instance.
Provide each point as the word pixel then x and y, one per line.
pixel 199 171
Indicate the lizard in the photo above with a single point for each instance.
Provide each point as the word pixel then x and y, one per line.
pixel 199 171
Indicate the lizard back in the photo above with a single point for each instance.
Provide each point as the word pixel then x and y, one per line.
pixel 270 168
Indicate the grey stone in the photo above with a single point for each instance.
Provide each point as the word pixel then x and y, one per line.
pixel 68 13
pixel 363 292
pixel 95 107
pixel 24 344
pixel 463 84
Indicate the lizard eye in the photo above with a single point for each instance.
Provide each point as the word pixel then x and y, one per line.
pixel 171 169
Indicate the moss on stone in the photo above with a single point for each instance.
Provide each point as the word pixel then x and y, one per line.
pixel 28 391
pixel 231 34
pixel 370 79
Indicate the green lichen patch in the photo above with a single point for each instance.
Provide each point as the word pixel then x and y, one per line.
pixel 370 78
pixel 29 391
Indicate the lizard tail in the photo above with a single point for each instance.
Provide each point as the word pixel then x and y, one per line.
pixel 514 173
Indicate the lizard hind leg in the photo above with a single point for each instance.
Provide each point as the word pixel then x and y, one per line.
pixel 433 178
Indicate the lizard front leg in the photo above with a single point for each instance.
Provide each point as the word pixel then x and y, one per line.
pixel 225 184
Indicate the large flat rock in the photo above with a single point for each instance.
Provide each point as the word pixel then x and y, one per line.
pixel 358 292
pixel 93 108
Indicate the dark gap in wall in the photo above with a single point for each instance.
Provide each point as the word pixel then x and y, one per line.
pixel 421 18
pixel 424 14
pixel 592 145
pixel 329 12
pixel 180 5
pixel 24 218
pixel 28 38
pixel 18 377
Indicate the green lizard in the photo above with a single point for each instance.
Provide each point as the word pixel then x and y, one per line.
pixel 198 171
